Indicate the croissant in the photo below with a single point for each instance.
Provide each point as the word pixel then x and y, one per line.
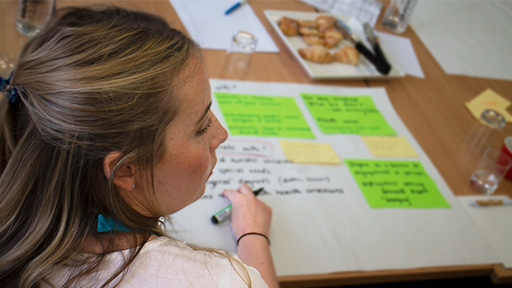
pixel 325 22
pixel 332 37
pixel 348 55
pixel 308 31
pixel 288 26
pixel 316 53
pixel 313 40
pixel 333 33
pixel 307 23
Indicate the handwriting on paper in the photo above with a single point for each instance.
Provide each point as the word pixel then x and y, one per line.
pixel 396 184
pixel 264 116
pixel 243 147
pixel 224 87
pixel 389 146
pixel 279 177
pixel 346 114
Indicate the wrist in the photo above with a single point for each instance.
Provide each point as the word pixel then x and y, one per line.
pixel 252 234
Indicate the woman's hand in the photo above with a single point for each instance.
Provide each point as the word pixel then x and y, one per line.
pixel 248 214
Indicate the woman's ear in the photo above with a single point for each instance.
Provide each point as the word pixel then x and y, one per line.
pixel 124 178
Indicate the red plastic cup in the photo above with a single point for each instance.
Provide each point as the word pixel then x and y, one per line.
pixel 507 150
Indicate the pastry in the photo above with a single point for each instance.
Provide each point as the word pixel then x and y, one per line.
pixel 332 37
pixel 348 55
pixel 325 22
pixel 288 26
pixel 316 53
pixel 308 31
pixel 313 40
pixel 307 23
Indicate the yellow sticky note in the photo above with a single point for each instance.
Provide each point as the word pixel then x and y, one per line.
pixel 476 109
pixel 489 100
pixel 309 153
pixel 385 146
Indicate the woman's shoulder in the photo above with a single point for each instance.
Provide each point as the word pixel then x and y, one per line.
pixel 167 262
pixel 170 249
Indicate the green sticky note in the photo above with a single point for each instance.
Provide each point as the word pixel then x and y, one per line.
pixel 396 184
pixel 346 114
pixel 264 116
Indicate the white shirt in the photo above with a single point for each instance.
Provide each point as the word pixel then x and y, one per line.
pixel 165 262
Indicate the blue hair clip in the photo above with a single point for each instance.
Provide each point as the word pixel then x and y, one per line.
pixel 9 91
pixel 4 83
pixel 14 96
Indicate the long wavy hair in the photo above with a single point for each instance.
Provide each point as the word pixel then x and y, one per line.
pixel 96 80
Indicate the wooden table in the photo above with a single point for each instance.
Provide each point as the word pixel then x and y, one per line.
pixel 432 108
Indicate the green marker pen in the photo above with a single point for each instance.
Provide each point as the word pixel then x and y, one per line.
pixel 226 211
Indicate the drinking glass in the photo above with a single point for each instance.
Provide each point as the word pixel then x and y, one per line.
pixel 490 171
pixel 33 15
pixel 238 58
pixel 398 14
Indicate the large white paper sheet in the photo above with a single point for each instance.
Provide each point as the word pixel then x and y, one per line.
pixel 211 29
pixel 399 50
pixel 329 232
pixel 467 37
pixel 495 224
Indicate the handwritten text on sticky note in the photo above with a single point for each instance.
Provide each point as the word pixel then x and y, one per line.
pixel 309 153
pixel 396 184
pixel 347 114
pixel 489 100
pixel 264 116
pixel 389 146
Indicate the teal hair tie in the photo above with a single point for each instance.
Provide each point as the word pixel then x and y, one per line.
pixel 106 224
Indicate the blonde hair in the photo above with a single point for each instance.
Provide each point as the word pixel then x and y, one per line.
pixel 93 82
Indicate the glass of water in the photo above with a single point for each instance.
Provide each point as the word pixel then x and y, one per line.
pixel 490 171
pixel 33 15
pixel 238 58
pixel 398 14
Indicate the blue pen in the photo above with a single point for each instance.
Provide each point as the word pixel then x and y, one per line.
pixel 234 7
pixel 224 213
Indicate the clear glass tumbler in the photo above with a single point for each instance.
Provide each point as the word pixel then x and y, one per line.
pixel 485 133
pixel 238 58
pixel 398 14
pixel 33 15
pixel 490 171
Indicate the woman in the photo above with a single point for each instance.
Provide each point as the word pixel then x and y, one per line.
pixel 106 127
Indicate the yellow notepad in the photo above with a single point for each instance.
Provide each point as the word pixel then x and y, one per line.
pixel 389 146
pixel 309 152
pixel 489 100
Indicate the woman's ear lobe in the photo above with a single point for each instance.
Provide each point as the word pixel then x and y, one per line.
pixel 124 178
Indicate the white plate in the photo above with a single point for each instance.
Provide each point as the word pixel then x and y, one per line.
pixel 334 70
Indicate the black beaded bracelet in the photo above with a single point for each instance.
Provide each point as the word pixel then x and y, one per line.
pixel 252 233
